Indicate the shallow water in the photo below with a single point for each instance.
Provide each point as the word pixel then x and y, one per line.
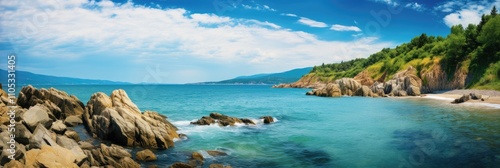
pixel 319 132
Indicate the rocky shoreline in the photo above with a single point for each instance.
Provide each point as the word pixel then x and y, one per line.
pixel 45 136
pixel 403 83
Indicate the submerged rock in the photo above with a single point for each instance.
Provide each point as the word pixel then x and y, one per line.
pixel 222 120
pixel 219 166
pixel 216 153
pixel 118 119
pixel 181 165
pixel 267 119
pixel 196 160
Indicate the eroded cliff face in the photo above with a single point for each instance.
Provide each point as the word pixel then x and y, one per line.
pixel 408 82
pixel 437 79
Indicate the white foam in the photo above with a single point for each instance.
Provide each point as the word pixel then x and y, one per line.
pixel 181 123
pixel 438 98
pixel 496 106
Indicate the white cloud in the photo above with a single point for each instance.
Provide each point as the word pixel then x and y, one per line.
pixel 338 27
pixel 289 14
pixel 259 7
pixel 312 23
pixel 209 18
pixel 415 6
pixel 357 35
pixel 388 2
pixel 269 8
pixel 247 6
pixel 466 13
pixel 463 17
pixel 132 35
pixel 449 6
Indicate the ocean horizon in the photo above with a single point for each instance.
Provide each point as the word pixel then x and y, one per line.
pixel 314 131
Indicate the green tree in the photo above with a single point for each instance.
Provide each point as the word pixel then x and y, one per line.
pixel 456 45
pixel 470 38
pixel 490 36
pixel 494 11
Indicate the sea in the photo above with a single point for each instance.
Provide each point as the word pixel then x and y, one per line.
pixel 316 131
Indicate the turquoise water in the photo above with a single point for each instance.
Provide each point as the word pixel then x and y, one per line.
pixel 319 132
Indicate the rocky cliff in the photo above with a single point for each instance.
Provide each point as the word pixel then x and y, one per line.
pixel 45 137
pixel 408 82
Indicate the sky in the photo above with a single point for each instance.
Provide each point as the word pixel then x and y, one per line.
pixel 187 41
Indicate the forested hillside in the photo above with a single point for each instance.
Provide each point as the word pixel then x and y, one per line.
pixel 469 57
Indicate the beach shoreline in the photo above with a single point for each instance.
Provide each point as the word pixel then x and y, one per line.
pixel 491 97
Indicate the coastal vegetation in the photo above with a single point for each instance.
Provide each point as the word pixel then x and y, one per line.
pixel 470 53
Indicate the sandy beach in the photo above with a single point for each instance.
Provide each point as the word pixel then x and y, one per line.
pixel 491 97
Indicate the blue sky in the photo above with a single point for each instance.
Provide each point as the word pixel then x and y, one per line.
pixel 184 41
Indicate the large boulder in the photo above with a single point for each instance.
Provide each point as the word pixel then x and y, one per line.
pixel 329 90
pixel 72 121
pixel 72 134
pixel 364 91
pixel 6 151
pixel 145 155
pixel 60 103
pixel 348 86
pixel 120 99
pixel 50 156
pixel 58 127
pixel 75 149
pixel 404 83
pixel 118 119
pixel 475 96
pixel 413 91
pixel 462 99
pixel 23 135
pixel 378 89
pixel 14 164
pixel 42 136
pixel 114 155
pixel 36 115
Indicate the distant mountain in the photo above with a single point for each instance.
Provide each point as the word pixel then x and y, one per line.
pixel 273 78
pixel 25 78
